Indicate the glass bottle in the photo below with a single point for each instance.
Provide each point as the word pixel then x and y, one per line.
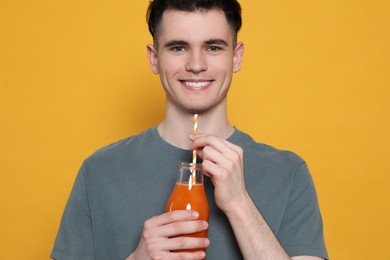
pixel 189 193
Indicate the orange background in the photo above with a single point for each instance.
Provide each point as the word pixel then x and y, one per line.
pixel 74 77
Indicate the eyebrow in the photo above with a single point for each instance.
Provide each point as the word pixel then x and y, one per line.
pixel 173 43
pixel 217 42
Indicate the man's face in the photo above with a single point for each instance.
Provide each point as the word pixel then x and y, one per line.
pixel 195 59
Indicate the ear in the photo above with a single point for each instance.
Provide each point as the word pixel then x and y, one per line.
pixel 237 57
pixel 152 56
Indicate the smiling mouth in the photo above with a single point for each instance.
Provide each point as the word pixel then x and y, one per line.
pixel 197 84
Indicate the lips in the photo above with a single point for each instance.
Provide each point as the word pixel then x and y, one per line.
pixel 198 85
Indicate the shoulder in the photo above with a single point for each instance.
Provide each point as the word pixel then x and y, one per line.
pixel 260 152
pixel 121 149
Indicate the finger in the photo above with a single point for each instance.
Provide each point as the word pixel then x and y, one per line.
pixel 202 140
pixel 226 142
pixel 219 151
pixel 218 143
pixel 212 170
pixel 182 228
pixel 182 242
pixel 184 255
pixel 210 154
pixel 172 216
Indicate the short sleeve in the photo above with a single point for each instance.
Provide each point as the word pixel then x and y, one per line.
pixel 301 230
pixel 75 237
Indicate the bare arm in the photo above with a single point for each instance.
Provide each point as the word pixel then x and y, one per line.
pixel 247 224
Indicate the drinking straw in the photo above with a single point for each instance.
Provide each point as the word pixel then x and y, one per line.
pixel 194 151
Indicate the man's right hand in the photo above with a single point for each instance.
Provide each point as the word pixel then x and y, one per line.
pixel 166 233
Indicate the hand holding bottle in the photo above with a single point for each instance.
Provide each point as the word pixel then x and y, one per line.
pixel 166 233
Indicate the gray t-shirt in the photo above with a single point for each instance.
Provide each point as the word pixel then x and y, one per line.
pixel 125 183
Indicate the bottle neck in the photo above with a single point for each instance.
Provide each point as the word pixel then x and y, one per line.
pixel 189 173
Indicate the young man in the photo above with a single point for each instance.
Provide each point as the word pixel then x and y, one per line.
pixel 262 201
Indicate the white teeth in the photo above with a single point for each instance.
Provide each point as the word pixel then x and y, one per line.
pixel 196 84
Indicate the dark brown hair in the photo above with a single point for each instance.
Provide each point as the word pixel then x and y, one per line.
pixel 156 9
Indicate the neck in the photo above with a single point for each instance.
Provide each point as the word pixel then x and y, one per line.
pixel 178 125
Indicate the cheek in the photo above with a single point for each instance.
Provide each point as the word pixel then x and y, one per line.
pixel 170 68
pixel 223 65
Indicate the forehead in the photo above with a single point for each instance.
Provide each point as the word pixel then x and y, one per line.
pixel 194 26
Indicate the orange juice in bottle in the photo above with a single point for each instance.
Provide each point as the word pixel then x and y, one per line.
pixel 189 194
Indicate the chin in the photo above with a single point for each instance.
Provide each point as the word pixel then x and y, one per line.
pixel 198 109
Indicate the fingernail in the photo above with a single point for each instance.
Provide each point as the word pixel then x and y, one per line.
pixel 205 224
pixel 195 214
pixel 206 242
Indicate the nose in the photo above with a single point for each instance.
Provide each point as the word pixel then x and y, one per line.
pixel 196 62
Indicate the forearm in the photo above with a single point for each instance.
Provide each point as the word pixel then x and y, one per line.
pixel 254 237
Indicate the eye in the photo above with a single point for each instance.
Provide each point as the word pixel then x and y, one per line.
pixel 214 48
pixel 178 49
